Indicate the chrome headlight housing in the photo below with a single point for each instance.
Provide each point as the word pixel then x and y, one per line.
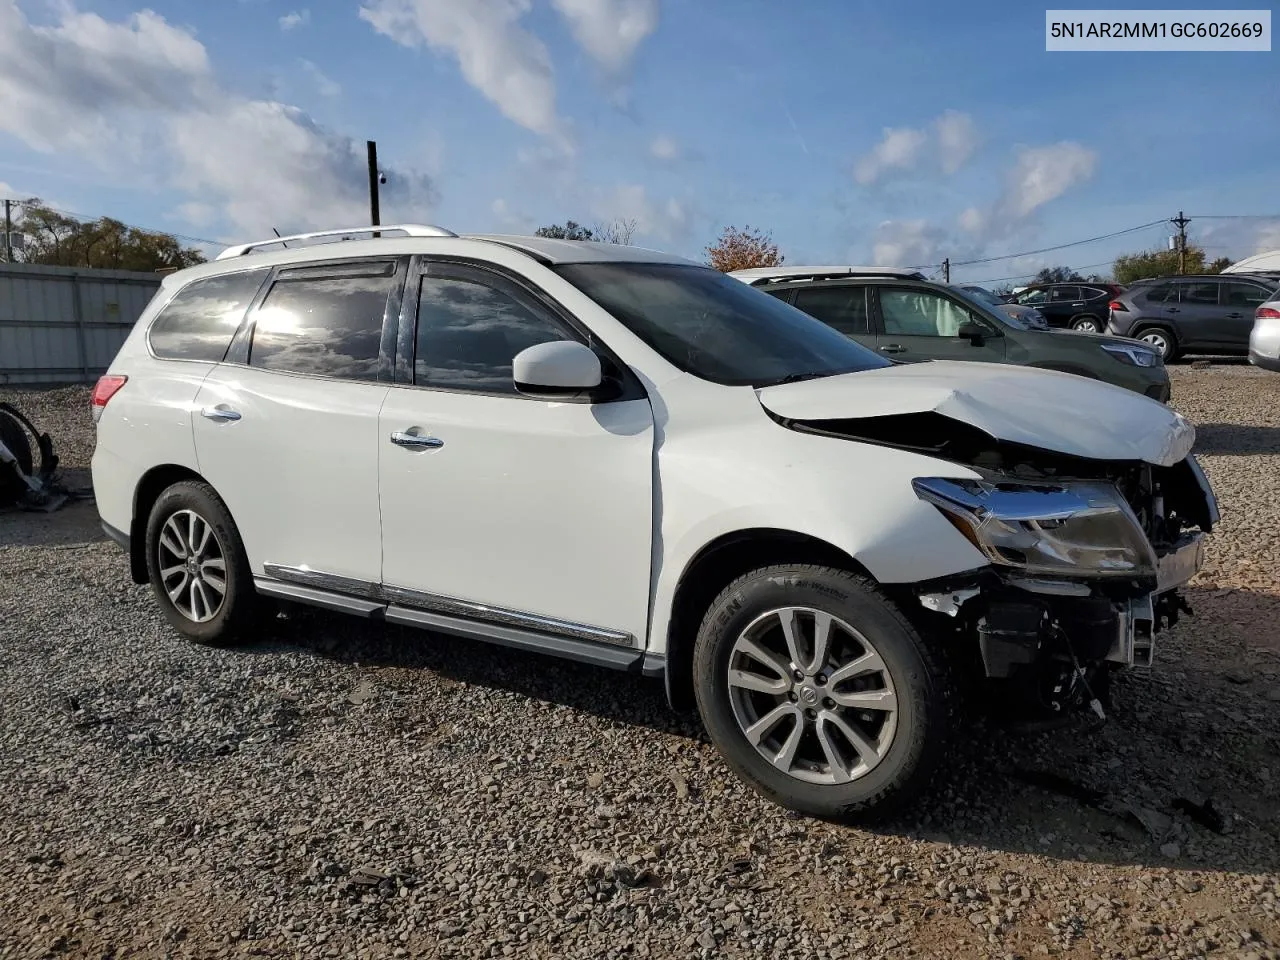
pixel 1064 529
pixel 1135 355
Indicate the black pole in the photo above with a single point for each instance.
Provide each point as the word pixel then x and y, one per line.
pixel 8 232
pixel 374 216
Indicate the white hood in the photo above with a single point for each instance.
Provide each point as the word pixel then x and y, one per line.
pixel 1039 408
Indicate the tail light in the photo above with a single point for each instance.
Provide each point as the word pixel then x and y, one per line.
pixel 1267 313
pixel 106 388
pixel 1115 306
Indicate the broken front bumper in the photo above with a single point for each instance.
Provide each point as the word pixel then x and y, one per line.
pixel 1136 626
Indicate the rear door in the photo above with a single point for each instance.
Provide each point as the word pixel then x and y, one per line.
pixel 842 307
pixel 921 324
pixel 1240 300
pixel 287 429
pixel 1197 315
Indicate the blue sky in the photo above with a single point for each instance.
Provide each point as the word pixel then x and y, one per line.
pixel 854 132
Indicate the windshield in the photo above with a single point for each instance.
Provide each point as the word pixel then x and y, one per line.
pixel 981 293
pixel 716 327
pixel 996 312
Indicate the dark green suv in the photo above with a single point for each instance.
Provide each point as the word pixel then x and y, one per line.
pixel 908 318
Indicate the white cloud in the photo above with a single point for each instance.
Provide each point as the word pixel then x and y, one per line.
pixel 666 221
pixel 1042 174
pixel 898 149
pixel 197 213
pixel 104 90
pixel 296 18
pixel 973 220
pixel 610 31
pixel 664 147
pixel 903 243
pixel 327 87
pixel 957 139
pixel 497 56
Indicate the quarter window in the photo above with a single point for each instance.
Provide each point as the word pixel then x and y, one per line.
pixel 842 308
pixel 919 313
pixel 471 325
pixel 324 322
pixel 199 322
pixel 1161 293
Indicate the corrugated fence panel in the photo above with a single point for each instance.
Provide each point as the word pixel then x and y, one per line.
pixel 64 325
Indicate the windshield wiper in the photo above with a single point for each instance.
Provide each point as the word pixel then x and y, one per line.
pixel 791 378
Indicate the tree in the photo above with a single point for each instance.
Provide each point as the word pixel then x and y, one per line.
pixel 619 231
pixel 56 239
pixel 1057 275
pixel 742 249
pixel 1155 263
pixel 569 231
pixel 1219 265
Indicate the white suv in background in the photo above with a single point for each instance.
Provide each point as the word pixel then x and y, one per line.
pixel 618 456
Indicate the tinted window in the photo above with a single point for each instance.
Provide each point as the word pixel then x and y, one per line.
pixel 1093 293
pixel 715 327
pixel 920 313
pixel 200 321
pixel 842 308
pixel 470 327
pixel 324 324
pixel 1244 295
pixel 1032 297
pixel 1203 293
pixel 1060 294
pixel 1160 293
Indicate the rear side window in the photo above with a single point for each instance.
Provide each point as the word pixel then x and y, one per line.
pixel 324 322
pixel 843 308
pixel 199 322
pixel 1203 293
pixel 1244 295
pixel 1061 294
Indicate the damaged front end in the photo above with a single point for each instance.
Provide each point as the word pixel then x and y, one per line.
pixel 1086 562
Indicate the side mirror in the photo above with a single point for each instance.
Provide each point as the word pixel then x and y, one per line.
pixel 561 369
pixel 972 332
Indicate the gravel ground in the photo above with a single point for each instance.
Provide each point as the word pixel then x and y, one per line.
pixel 348 790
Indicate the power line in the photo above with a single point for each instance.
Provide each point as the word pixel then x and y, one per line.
pixel 1087 266
pixel 1237 216
pixel 1061 246
pixel 84 218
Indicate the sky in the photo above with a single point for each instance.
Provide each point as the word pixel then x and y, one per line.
pixel 851 131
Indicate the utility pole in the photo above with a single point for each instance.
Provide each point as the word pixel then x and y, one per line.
pixel 1181 223
pixel 8 231
pixel 374 216
pixel 946 270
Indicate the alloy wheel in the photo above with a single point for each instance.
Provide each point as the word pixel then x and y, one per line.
pixel 1087 325
pixel 812 695
pixel 192 565
pixel 1158 340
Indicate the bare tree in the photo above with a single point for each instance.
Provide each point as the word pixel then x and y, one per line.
pixel 618 231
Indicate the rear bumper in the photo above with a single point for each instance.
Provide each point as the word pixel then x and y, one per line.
pixel 1265 362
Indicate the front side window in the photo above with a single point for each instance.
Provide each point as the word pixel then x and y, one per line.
pixel 841 308
pixel 471 324
pixel 1244 295
pixel 1030 298
pixel 716 327
pixel 324 321
pixel 921 313
pixel 199 322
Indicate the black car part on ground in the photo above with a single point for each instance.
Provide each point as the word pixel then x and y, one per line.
pixel 21 482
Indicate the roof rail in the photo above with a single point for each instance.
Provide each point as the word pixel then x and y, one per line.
pixel 408 229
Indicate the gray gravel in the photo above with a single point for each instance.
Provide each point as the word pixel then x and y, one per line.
pixel 345 790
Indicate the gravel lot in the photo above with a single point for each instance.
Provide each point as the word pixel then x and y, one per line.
pixel 347 790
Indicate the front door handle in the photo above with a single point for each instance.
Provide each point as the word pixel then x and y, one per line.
pixel 220 414
pixel 893 348
pixel 416 441
pixel 1077 304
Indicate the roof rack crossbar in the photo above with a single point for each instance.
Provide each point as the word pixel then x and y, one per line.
pixel 408 229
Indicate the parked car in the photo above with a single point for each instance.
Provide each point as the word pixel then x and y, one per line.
pixel 1077 306
pixel 628 459
pixel 1176 314
pixel 1028 316
pixel 1264 339
pixel 914 319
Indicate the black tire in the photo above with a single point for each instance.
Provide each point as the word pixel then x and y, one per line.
pixel 235 616
pixel 925 694
pixel 1087 324
pixel 1168 349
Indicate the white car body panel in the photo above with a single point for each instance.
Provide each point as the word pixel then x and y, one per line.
pixel 1264 338
pixel 1039 408
pixel 536 506
pixel 299 470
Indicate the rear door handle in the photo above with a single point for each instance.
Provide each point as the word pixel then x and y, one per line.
pixel 220 414
pixel 893 348
pixel 416 441
pixel 1234 316
pixel 1078 304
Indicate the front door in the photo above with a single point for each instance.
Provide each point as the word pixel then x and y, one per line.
pixel 1239 303
pixel 920 324
pixel 500 505
pixel 1196 314
pixel 287 433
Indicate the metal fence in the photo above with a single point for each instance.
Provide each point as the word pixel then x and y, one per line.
pixel 65 324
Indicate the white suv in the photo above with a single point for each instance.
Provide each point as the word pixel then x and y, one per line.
pixel 618 456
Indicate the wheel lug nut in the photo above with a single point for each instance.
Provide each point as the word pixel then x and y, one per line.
pixel 798 676
pixel 811 713
pixel 828 703
pixel 792 696
pixel 821 678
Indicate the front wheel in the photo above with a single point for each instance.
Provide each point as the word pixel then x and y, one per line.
pixel 197 565
pixel 1086 325
pixel 819 693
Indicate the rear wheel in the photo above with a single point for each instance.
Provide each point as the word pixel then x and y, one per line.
pixel 819 693
pixel 197 565
pixel 1087 324
pixel 1160 340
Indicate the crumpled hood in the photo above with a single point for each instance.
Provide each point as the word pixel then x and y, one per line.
pixel 1053 411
